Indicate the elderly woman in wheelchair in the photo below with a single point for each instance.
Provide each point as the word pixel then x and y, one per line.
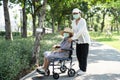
pixel 60 53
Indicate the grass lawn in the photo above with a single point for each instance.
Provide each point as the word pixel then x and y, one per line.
pixel 114 41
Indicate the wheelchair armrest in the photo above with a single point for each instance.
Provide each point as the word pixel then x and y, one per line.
pixel 68 49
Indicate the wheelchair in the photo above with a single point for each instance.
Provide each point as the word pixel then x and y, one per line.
pixel 62 65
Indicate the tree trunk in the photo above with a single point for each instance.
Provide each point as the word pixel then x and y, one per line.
pixel 117 26
pixel 53 25
pixel 34 25
pixel 59 22
pixel 38 15
pixel 24 27
pixel 8 35
pixel 36 50
pixel 34 17
pixel 103 22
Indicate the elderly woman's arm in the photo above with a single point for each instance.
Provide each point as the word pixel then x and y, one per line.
pixel 56 46
pixel 60 50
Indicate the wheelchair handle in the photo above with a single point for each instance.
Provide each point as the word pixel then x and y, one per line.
pixel 76 40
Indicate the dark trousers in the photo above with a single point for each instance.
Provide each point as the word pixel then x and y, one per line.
pixel 82 54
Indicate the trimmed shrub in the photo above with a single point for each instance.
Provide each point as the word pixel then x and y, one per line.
pixel 2 33
pixel 14 57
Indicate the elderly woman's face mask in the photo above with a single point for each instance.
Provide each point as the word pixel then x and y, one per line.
pixel 66 35
pixel 76 16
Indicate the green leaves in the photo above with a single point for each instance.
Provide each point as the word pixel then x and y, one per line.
pixel 14 56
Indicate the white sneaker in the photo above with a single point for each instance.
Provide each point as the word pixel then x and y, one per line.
pixel 80 72
pixel 40 70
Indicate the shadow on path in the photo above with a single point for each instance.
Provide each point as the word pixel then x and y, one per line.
pixel 100 52
pixel 102 77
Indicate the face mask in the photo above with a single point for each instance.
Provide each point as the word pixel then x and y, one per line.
pixel 66 35
pixel 76 16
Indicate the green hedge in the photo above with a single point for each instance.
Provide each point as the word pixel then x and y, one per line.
pixel 14 57
pixel 2 33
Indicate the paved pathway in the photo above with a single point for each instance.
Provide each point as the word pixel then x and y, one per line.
pixel 103 64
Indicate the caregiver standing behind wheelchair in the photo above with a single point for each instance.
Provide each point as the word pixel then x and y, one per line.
pixel 81 34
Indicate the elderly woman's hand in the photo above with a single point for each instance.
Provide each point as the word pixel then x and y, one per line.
pixel 69 40
pixel 56 46
pixel 59 50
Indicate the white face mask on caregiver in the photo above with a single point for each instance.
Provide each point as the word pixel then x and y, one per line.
pixel 66 35
pixel 76 16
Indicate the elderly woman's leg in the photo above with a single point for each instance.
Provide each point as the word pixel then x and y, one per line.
pixel 44 67
pixel 46 63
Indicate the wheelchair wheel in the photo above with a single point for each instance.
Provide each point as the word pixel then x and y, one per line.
pixel 71 72
pixel 47 72
pixel 55 75
pixel 63 69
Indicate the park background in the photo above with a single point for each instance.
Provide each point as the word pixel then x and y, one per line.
pixel 30 27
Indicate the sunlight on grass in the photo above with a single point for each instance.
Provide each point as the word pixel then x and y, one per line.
pixel 58 36
pixel 113 41
pixel 48 42
pixel 114 44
